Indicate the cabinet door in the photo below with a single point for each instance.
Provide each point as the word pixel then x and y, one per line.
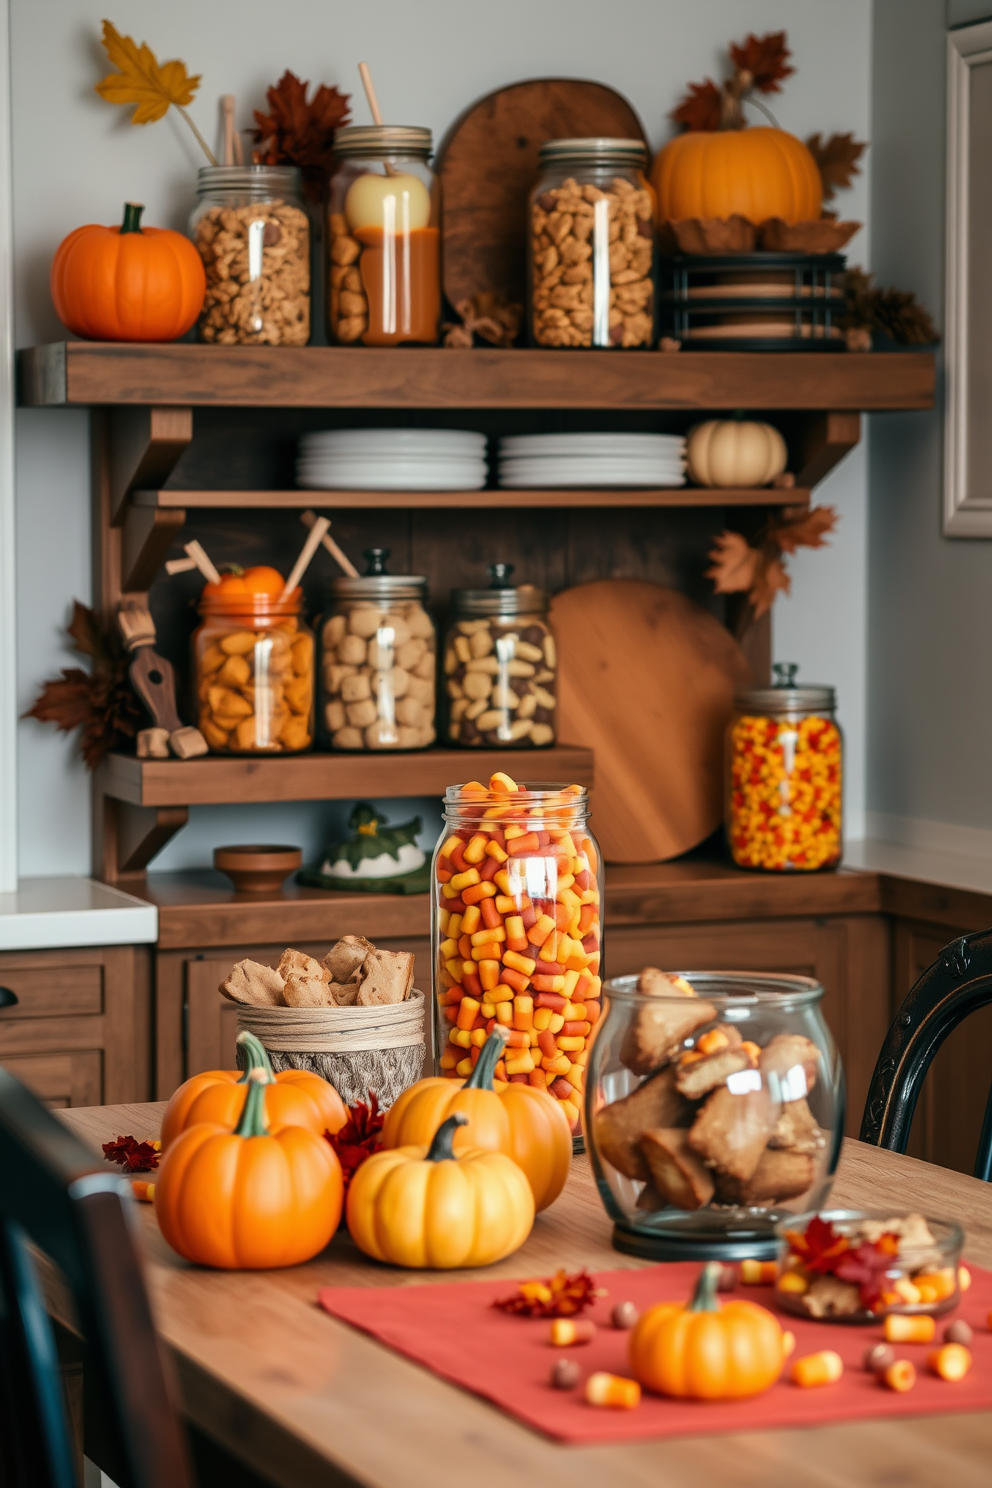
pixel 61 1079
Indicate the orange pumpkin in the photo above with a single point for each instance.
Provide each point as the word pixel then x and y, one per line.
pixel 520 1120
pixel 247 583
pixel 127 283
pixel 249 1199
pixel 292 1098
pixel 758 173
pixel 702 1351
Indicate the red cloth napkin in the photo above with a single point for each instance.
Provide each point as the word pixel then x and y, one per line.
pixel 453 1330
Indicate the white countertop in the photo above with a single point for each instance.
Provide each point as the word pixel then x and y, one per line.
pixel 50 913
pixel 945 869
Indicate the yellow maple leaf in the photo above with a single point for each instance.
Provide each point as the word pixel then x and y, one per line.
pixel 153 87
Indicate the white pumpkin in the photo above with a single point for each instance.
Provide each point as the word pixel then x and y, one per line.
pixel 735 452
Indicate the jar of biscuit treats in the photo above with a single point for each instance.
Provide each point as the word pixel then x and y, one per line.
pixel 591 245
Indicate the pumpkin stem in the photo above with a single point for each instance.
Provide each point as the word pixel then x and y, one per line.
pixel 704 1298
pixel 257 1057
pixel 132 217
pixel 481 1077
pixel 441 1149
pixel 252 1123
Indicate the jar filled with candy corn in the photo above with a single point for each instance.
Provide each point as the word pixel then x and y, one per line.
pixel 517 934
pixel 784 777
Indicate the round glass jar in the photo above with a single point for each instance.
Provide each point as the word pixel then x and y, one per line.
pixel 591 246
pixel 253 673
pixel 784 777
pixel 377 661
pixel 251 228
pixel 384 238
pixel 524 870
pixel 714 1107
pixel 500 666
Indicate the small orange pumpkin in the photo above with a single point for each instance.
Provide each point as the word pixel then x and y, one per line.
pixel 702 1351
pixel 292 1098
pixel 758 173
pixel 127 283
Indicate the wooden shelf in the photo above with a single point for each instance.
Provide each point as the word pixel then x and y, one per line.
pixel 113 373
pixel 680 496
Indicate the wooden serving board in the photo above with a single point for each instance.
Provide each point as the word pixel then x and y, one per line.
pixel 487 163
pixel 646 680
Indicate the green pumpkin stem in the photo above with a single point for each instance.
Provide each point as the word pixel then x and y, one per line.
pixel 257 1057
pixel 441 1149
pixel 481 1077
pixel 704 1298
pixel 252 1123
pixel 132 217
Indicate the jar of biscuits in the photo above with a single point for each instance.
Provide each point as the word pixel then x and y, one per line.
pixel 377 661
pixel 385 238
pixel 253 666
pixel 500 666
pixel 251 229
pixel 591 245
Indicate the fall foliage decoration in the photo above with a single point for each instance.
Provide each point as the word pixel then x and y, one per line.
pixel 135 1156
pixel 826 1252
pixel 490 316
pixel 761 64
pixel 895 313
pixel 152 87
pixel 560 1295
pixel 100 702
pixel 358 1138
pixel 299 132
pixel 760 570
pixel 837 161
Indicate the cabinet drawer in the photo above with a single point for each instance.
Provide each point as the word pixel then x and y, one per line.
pixel 51 1036
pixel 52 991
pixel 61 1079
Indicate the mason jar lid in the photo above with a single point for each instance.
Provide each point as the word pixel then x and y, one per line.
pixel 383 139
pixel 270 180
pixel 501 598
pixel 785 697
pixel 375 583
pixel 596 151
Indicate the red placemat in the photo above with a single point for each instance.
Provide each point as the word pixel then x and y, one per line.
pixel 453 1330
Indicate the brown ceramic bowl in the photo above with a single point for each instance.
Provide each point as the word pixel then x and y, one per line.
pixel 257 869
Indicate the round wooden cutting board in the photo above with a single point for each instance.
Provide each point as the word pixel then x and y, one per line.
pixel 647 679
pixel 488 163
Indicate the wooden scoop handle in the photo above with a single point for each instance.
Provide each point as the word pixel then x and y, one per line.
pixel 155 683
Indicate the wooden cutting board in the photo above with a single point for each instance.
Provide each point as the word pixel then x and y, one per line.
pixel 647 679
pixel 488 163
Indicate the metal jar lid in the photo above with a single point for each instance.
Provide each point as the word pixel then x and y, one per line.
pixel 375 583
pixel 369 140
pixel 268 180
pixel 502 597
pixel 785 697
pixel 617 152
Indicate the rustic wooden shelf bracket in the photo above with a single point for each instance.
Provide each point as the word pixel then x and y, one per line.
pixel 147 537
pixel 146 444
pixel 127 837
pixel 827 438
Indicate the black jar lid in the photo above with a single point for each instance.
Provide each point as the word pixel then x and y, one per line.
pixel 501 598
pixel 785 697
pixel 375 583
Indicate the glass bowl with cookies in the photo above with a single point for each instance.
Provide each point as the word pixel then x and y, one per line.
pixel 714 1110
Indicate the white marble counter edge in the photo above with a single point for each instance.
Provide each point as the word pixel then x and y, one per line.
pixel 60 913
pixel 948 870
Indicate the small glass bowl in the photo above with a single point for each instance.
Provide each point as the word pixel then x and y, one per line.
pixel 919 1279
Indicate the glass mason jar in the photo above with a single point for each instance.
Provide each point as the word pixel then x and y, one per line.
pixel 591 245
pixel 525 870
pixel 784 781
pixel 251 228
pixel 377 661
pixel 500 666
pixel 714 1107
pixel 385 238
pixel 253 673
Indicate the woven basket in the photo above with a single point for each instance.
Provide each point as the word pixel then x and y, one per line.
pixel 358 1049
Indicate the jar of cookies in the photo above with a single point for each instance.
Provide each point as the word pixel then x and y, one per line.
pixel 253 666
pixel 385 238
pixel 591 246
pixel 785 777
pixel 500 666
pixel 251 229
pixel 377 661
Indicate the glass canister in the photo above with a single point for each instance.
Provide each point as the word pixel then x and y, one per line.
pixel 385 238
pixel 377 661
pixel 517 934
pixel 591 245
pixel 500 666
pixel 251 229
pixel 253 672
pixel 784 777
pixel 714 1108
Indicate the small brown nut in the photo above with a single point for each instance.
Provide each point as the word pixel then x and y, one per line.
pixel 565 1374
pixel 624 1315
pixel 878 1357
pixel 728 1279
pixel 958 1332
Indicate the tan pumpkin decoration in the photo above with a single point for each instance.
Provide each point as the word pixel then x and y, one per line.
pixel 736 453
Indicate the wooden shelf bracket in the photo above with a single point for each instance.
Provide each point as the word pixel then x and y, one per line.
pixel 827 438
pixel 146 444
pixel 147 537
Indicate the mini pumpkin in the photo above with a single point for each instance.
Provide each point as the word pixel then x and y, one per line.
pixel 428 1207
pixel 520 1120
pixel 250 1199
pixel 705 1351
pixel 756 173
pixel 735 452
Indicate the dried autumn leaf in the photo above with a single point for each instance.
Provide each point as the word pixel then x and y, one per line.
pixel 100 702
pixel 766 58
pixel 298 132
pixel 700 109
pixel 836 160
pixel 152 86
pixel 560 1295
pixel 770 579
pixel 804 529
pixel 137 1157
pixel 734 563
pixel 358 1138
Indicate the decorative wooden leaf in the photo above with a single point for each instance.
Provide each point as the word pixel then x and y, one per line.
pixel 298 132
pixel 805 529
pixel 837 161
pixel 700 109
pixel 766 58
pixel 734 563
pixel 140 79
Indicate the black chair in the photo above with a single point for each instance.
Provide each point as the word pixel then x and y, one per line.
pixel 54 1195
pixel 958 983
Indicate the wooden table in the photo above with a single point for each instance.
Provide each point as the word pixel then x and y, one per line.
pixel 305 1400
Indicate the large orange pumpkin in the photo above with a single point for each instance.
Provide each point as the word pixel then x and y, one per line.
pixel 525 1123
pixel 249 1199
pixel 292 1098
pixel 758 173
pixel 127 283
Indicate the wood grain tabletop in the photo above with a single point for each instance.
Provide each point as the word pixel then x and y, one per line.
pixel 307 1401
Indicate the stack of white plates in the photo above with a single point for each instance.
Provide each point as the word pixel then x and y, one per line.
pixel 592 460
pixel 392 460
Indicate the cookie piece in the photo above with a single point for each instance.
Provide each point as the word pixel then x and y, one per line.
pixel 732 1130
pixel 254 984
pixel 676 1172
pixel 719 1054
pixel 345 958
pixel 617 1127
pixel 343 994
pixel 660 1028
pixel 788 1066
pixel 778 1176
pixel 306 991
pixel 299 963
pixel 797 1130
pixel 387 977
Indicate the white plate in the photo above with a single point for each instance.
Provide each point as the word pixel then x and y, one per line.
pixel 543 445
pixel 462 441
pixel 381 482
pixel 374 470
pixel 587 478
pixel 587 470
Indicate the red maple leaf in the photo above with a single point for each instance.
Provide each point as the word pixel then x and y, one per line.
pixel 298 132
pixel 137 1157
pixel 358 1138
pixel 766 58
pixel 700 109
pixel 560 1295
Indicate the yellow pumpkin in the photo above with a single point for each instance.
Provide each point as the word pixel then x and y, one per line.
pixel 735 452
pixel 758 173
pixel 520 1120
pixel 426 1207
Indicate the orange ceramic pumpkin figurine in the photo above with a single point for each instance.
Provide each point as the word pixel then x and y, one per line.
pixel 249 1199
pixel 705 1351
pixel 292 1098
pixel 127 283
